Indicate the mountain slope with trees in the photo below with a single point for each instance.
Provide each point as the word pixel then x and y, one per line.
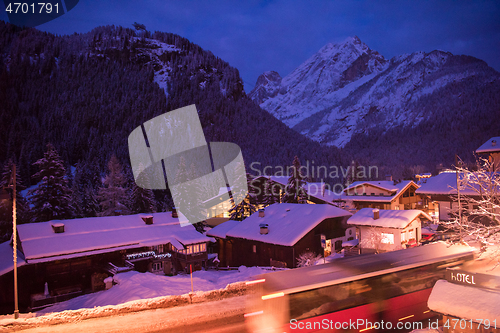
pixel 85 93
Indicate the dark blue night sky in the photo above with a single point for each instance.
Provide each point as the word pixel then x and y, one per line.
pixel 256 36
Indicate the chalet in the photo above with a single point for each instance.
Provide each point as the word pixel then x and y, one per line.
pixel 491 151
pixel 278 234
pixel 219 207
pixel 75 256
pixel 388 230
pixel 383 194
pixel 441 190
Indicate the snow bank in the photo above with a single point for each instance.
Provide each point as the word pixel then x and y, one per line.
pixel 136 291
pixel 464 302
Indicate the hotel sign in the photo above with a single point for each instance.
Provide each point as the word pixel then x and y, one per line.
pixel 473 279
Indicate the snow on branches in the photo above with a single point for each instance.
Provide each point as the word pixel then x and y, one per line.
pixel 308 258
pixel 477 219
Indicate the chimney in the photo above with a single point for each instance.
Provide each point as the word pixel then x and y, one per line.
pixel 493 143
pixel 58 227
pixel 148 219
pixel 174 213
pixel 376 214
pixel 388 177
pixel 262 213
pixel 264 229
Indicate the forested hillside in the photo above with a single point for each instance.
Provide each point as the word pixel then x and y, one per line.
pixel 85 93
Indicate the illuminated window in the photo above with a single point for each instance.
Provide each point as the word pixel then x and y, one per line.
pixel 196 248
pixel 203 247
pixel 387 238
pixel 189 249
pixel 255 249
pixel 403 237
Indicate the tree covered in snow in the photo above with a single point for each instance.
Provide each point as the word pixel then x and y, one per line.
pixel 307 258
pixel 247 206
pixel 271 193
pixel 478 218
pixel 294 190
pixel 52 198
pixel 372 239
pixel 85 183
pixel 187 195
pixel 143 200
pixel 113 196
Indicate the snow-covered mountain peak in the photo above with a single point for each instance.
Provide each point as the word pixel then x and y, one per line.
pixel 326 73
pixel 267 86
pixel 347 88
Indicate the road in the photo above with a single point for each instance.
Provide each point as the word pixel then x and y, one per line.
pixel 218 316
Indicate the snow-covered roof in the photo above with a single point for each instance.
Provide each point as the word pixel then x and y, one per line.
pixel 387 218
pixel 490 146
pixel 221 230
pixel 445 183
pixel 383 184
pixel 222 195
pixel 387 185
pixel 7 258
pixel 352 242
pixel 287 223
pixel 94 235
pixel 464 302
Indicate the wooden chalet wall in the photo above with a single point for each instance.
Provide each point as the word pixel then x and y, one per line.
pixel 239 251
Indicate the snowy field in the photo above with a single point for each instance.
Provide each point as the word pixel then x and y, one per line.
pixel 132 286
pixel 136 291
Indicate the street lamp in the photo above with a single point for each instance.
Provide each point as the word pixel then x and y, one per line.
pixel 4 195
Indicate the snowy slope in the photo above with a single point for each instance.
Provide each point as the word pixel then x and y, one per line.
pixel 161 68
pixel 347 88
pixel 133 286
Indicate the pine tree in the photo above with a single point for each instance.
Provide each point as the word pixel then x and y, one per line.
pixel 143 200
pixel 113 195
pixel 247 206
pixel 270 195
pixel 85 183
pixel 51 199
pixel 294 190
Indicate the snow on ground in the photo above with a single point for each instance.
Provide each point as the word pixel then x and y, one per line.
pixel 141 291
pixel 136 286
pixel 201 317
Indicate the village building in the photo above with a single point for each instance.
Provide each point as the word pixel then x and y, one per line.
pixel 388 230
pixel 491 151
pixel 441 190
pixel 383 194
pixel 218 207
pixel 279 234
pixel 72 257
